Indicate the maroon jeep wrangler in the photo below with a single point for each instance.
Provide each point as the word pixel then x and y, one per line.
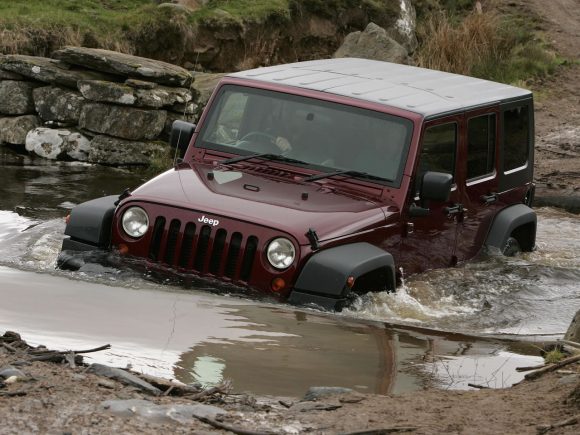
pixel 317 180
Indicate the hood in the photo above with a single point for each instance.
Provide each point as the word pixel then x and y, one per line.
pixel 283 204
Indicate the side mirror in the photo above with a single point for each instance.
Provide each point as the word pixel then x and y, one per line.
pixel 436 186
pixel 181 134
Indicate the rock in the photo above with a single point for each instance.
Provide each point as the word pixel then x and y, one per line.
pixel 316 406
pixel 315 393
pixel 204 85
pixel 57 104
pixel 404 30
pixel 7 75
pixel 161 413
pixel 123 376
pixel 47 70
pixel 373 43
pixel 14 130
pixel 110 92
pixel 573 332
pixel 112 151
pixel 140 84
pixel 124 122
pixel 56 143
pixel 9 371
pixel 125 64
pixel 16 97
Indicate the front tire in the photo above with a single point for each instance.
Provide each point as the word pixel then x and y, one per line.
pixel 512 247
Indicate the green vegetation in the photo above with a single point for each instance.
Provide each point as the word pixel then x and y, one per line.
pixel 553 356
pixel 504 48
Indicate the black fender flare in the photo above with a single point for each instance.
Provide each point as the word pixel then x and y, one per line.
pixel 509 220
pixel 323 279
pixel 90 224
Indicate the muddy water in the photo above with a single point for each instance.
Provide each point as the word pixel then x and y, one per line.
pixel 385 343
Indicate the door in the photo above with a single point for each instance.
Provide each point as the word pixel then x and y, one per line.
pixel 478 180
pixel 429 241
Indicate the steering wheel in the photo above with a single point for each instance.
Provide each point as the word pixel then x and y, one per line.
pixel 260 142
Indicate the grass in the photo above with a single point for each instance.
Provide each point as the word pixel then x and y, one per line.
pixel 553 356
pixel 504 48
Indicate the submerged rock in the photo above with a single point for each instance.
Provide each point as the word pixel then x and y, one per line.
pixel 374 43
pixel 55 143
pixel 56 104
pixel 123 376
pixel 123 122
pixel 119 93
pixel 13 130
pixel 16 97
pixel 124 64
pixel 47 70
pixel 117 152
pixel 161 413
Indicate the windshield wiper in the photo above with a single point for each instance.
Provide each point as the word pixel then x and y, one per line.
pixel 265 156
pixel 348 172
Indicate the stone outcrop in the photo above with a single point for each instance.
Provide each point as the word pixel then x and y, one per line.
pixel 13 130
pixel 47 70
pixel 57 104
pixel 115 109
pixel 56 143
pixel 121 93
pixel 108 150
pixel 125 65
pixel 373 43
pixel 573 332
pixel 16 97
pixel 123 122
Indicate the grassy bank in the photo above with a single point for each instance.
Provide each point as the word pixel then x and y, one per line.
pixel 498 41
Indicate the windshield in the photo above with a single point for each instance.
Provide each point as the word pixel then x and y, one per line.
pixel 326 136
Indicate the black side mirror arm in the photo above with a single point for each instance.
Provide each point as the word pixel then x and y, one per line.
pixel 416 211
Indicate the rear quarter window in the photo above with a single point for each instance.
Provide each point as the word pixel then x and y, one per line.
pixel 516 129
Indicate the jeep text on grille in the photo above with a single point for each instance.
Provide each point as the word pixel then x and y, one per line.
pixel 318 180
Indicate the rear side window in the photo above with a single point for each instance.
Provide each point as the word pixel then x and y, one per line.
pixel 438 151
pixel 480 146
pixel 516 122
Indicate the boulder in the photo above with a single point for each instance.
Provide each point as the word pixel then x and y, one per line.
pixel 108 150
pixel 127 65
pixel 124 122
pixel 404 30
pixel 7 75
pixel 573 333
pixel 47 70
pixel 57 104
pixel 16 97
pixel 56 143
pixel 119 93
pixel 13 130
pixel 373 43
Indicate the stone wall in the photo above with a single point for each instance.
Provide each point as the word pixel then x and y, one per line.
pixel 94 105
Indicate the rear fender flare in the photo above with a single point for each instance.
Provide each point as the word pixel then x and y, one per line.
pixel 509 221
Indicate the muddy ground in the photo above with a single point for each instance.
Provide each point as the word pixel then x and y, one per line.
pixel 557 169
pixel 57 398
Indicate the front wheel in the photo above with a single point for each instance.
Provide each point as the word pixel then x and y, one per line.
pixel 512 247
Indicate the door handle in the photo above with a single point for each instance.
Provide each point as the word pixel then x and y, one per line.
pixel 489 199
pixel 455 209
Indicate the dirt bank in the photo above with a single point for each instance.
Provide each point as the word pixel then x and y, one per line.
pixel 48 397
pixel 557 169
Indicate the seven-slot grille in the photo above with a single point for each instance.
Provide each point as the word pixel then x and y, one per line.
pixel 203 248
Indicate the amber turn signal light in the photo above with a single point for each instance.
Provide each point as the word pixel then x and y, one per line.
pixel 350 282
pixel 277 284
pixel 123 249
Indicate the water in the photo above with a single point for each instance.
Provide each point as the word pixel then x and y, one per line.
pixel 446 328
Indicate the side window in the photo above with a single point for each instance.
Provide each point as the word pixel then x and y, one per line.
pixel 438 151
pixel 480 146
pixel 516 130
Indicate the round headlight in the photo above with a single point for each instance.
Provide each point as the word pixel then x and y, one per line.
pixel 135 221
pixel 281 253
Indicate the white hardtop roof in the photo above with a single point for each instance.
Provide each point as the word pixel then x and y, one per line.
pixel 418 90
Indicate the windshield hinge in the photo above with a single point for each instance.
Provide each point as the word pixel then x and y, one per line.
pixel 313 239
